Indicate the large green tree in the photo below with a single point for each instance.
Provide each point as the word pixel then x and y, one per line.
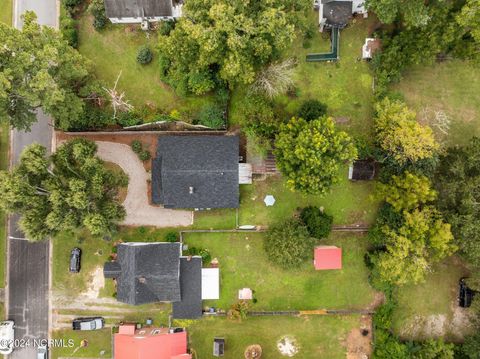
pixel 410 251
pixel 70 189
pixel 288 244
pixel 458 185
pixel 309 154
pixel 226 41
pixel 412 12
pixel 469 18
pixel 399 134
pixel 39 69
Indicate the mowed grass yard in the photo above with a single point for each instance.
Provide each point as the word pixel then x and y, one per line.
pixel 99 341
pixel 114 50
pixel 243 263
pixel 345 86
pixel 430 309
pixel 348 202
pixel 452 87
pixel 317 337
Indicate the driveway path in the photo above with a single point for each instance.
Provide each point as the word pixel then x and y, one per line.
pixel 139 211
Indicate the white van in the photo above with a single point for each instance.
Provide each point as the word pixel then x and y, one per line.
pixel 7 336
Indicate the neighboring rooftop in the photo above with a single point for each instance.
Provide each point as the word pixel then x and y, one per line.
pixel 191 287
pixel 150 343
pixel 196 172
pixel 141 9
pixel 146 272
pixel 362 170
pixel 337 13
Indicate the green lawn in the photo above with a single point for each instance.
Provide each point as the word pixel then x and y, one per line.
pixel 345 86
pixel 243 263
pixel 6 11
pixel 4 146
pixel 451 87
pixel 421 306
pixel 115 49
pixel 348 202
pixel 99 341
pixel 317 337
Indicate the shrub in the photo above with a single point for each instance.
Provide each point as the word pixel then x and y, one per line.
pixel 97 9
pixel 165 27
pixel 319 224
pixel 288 244
pixel 129 118
pixel 144 55
pixel 171 237
pixel 144 155
pixel 136 146
pixel 202 252
pixel 238 310
pixel 211 116
pixel 312 110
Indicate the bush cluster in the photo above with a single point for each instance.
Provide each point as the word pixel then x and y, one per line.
pixel 318 223
pixel 97 9
pixel 212 116
pixel 137 147
pixel 312 110
pixel 144 55
pixel 202 252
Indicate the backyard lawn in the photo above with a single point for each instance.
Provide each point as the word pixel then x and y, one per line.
pixel 243 263
pixel 345 86
pixel 452 87
pixel 430 309
pixel 348 202
pixel 6 11
pixel 99 344
pixel 317 337
pixel 115 49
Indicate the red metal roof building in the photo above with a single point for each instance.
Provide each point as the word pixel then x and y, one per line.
pixel 327 257
pixel 149 343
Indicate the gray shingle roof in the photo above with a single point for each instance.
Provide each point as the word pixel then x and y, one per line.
pixel 190 307
pixel 196 172
pixel 338 13
pixel 138 8
pixel 149 272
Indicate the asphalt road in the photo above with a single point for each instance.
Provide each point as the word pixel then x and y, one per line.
pixel 28 263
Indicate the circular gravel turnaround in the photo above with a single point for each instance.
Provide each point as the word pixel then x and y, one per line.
pixel 139 211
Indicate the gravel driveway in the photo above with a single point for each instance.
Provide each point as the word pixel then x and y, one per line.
pixel 139 211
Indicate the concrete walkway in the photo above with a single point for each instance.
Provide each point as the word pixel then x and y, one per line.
pixel 139 211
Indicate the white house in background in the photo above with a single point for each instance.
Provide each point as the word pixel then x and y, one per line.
pixel 336 13
pixel 142 11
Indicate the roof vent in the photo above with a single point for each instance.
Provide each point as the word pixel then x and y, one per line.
pixel 190 190
pixel 142 280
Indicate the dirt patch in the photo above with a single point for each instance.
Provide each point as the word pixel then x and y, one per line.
pixel 97 282
pixel 378 300
pixel 359 340
pixel 453 326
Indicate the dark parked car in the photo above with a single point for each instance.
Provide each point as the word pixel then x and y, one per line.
pixel 465 295
pixel 75 255
pixel 90 323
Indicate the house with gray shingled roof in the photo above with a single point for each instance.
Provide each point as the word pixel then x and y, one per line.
pixel 138 11
pixel 157 272
pixel 199 172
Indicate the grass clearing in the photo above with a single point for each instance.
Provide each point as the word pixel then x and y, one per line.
pixel 4 148
pixel 243 263
pixel 115 49
pixel 348 202
pixel 317 337
pixel 451 87
pixel 6 8
pixel 99 341
pixel 421 306
pixel 345 86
